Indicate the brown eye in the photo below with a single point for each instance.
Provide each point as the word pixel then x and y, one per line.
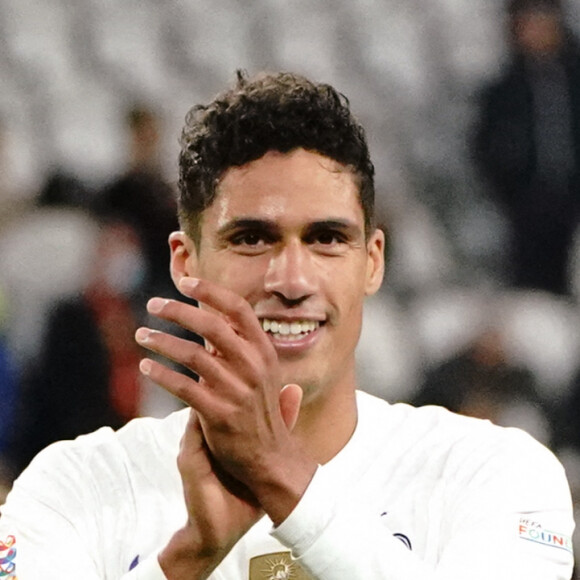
pixel 327 238
pixel 250 242
pixel 247 239
pixel 252 239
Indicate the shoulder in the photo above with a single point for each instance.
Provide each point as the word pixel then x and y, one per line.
pixel 98 500
pixel 466 452
pixel 108 461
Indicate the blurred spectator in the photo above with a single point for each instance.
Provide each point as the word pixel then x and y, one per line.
pixel 43 250
pixel 86 375
pixel 527 143
pixel 143 198
pixel 9 397
pixel 481 382
pixel 568 435
pixel 43 258
pixel 63 190
pixel 13 201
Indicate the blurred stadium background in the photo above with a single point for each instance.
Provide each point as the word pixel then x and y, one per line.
pixel 69 71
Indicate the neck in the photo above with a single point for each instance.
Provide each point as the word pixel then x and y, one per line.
pixel 326 424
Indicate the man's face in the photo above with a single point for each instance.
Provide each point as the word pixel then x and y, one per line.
pixel 286 232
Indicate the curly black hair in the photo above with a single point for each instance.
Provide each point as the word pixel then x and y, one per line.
pixel 269 112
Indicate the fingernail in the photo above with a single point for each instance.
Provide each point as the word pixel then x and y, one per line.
pixel 155 305
pixel 145 366
pixel 142 335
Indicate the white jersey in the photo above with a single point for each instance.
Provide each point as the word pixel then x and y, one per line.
pixel 416 494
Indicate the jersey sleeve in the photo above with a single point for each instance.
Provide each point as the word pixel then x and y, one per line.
pixel 71 515
pixel 149 569
pixel 39 526
pixel 509 520
pixel 51 526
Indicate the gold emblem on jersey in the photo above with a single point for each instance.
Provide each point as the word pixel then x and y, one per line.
pixel 276 566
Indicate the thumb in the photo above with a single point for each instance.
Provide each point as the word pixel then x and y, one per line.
pixel 290 399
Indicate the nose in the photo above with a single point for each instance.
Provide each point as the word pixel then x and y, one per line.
pixel 291 273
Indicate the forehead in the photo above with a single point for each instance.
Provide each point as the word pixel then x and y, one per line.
pixel 300 186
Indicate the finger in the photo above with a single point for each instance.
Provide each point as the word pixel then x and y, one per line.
pixel 290 400
pixel 178 384
pixel 195 462
pixel 191 445
pixel 215 329
pixel 236 310
pixel 188 316
pixel 180 350
pixel 233 353
pixel 243 354
pixel 192 439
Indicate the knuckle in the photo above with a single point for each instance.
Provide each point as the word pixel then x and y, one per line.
pixel 181 390
pixel 240 304
pixel 246 400
pixel 257 368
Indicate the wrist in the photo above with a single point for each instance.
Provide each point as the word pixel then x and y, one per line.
pixel 280 488
pixel 186 558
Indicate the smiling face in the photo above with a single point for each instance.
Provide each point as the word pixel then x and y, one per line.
pixel 286 232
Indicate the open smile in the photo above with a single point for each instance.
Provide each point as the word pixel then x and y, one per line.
pixel 286 330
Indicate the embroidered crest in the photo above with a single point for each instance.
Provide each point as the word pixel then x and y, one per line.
pixel 276 566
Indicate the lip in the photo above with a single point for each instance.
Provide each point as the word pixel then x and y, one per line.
pixel 296 347
pixel 295 315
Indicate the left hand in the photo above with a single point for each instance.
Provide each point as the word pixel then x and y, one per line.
pixel 245 417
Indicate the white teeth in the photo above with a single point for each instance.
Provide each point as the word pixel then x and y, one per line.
pixel 288 329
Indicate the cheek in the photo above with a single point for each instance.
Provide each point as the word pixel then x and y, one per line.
pixel 358 292
pixel 240 275
pixel 349 298
pixel 355 318
pixel 356 280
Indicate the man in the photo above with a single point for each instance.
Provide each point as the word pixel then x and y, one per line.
pixel 281 469
pixel 142 197
pixel 527 144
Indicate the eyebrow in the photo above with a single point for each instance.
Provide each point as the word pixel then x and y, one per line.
pixel 237 224
pixel 335 224
pixel 272 227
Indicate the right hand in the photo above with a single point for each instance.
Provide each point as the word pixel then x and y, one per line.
pixel 220 509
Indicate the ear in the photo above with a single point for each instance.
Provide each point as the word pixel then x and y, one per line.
pixel 183 256
pixel 375 262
